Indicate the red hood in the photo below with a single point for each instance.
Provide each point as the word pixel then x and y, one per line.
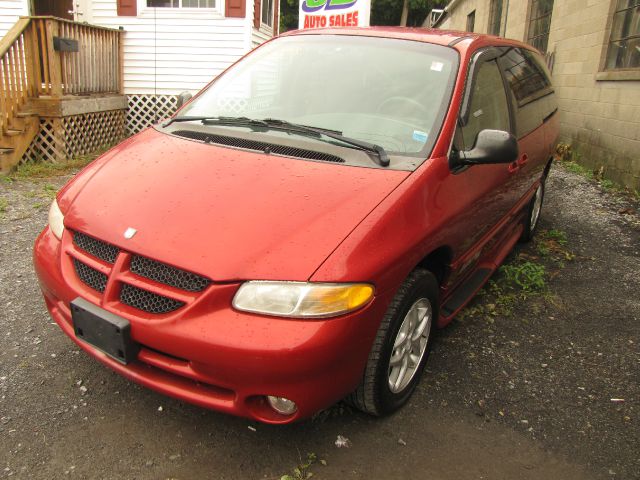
pixel 224 213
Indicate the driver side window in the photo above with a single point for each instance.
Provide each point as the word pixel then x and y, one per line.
pixel 489 108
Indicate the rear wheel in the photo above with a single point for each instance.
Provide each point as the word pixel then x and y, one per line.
pixel 533 213
pixel 401 347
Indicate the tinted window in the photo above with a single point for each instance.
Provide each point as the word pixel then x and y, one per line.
pixel 530 88
pixel 489 108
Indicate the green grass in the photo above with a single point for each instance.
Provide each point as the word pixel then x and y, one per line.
pixel 553 234
pixel 4 204
pixel 49 191
pixel 29 170
pixel 578 169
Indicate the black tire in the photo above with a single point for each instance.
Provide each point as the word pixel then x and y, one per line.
pixel 374 395
pixel 531 221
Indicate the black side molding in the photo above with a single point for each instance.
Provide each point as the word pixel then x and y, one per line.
pixel 465 291
pixel 544 120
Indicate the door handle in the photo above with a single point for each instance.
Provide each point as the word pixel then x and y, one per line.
pixel 522 161
pixel 513 167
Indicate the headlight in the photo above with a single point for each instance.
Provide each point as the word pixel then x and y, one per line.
pixel 302 300
pixel 56 219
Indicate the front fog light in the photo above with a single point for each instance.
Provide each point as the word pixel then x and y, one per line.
pixel 283 406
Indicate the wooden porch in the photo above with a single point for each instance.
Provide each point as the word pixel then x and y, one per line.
pixel 61 90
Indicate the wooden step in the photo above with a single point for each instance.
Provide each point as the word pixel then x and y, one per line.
pixel 15 142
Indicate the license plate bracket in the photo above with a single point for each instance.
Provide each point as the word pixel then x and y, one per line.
pixel 103 330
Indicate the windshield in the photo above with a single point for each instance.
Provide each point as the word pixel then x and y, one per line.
pixel 388 92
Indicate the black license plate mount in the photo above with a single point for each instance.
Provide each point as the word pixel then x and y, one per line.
pixel 103 330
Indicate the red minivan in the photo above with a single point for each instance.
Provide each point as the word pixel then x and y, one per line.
pixel 300 228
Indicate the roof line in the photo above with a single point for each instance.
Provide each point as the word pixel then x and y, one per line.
pixel 453 42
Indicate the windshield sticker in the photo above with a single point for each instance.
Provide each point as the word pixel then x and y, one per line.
pixel 437 66
pixel 419 136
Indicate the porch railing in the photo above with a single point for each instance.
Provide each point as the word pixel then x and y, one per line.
pixel 51 57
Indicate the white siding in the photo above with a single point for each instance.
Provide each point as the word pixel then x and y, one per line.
pixel 258 37
pixel 10 10
pixel 167 51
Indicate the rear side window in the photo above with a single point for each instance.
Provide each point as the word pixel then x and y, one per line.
pixel 489 108
pixel 530 88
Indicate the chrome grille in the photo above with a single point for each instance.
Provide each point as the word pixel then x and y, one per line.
pixel 90 276
pixel 99 249
pixel 259 146
pixel 163 273
pixel 147 301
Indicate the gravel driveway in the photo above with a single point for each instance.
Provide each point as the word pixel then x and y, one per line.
pixel 546 389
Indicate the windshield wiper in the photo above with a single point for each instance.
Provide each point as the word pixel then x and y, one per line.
pixel 283 125
pixel 208 120
pixel 381 154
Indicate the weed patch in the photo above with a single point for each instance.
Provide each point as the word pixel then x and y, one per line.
pixel 302 471
pixel 524 278
pixel 528 276
pixel 569 160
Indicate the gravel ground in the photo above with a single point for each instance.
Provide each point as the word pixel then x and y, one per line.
pixel 524 395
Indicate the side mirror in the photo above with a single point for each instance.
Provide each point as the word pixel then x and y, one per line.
pixel 492 146
pixel 183 98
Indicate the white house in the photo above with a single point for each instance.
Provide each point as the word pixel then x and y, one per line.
pixel 169 45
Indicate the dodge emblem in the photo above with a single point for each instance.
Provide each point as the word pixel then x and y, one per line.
pixel 129 232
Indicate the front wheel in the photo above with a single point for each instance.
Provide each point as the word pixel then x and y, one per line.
pixel 401 347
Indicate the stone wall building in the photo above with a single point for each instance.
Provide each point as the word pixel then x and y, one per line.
pixel 593 49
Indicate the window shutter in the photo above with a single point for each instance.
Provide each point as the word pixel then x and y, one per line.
pixel 235 8
pixel 127 8
pixel 276 22
pixel 256 13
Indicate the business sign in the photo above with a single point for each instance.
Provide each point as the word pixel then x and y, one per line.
pixel 334 13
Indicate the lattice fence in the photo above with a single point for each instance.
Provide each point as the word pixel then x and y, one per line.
pixel 46 146
pixel 145 110
pixel 68 137
pixel 87 133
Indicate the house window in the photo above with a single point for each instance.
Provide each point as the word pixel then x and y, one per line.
pixel 471 21
pixel 267 13
pixel 624 42
pixel 540 23
pixel 181 3
pixel 495 17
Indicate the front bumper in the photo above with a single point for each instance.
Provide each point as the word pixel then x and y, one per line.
pixel 211 355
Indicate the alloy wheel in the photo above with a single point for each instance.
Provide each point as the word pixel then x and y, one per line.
pixel 409 345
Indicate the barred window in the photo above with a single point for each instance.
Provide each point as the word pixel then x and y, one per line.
pixel 540 23
pixel 495 17
pixel 624 43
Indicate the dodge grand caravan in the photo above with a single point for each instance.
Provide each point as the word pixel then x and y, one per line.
pixel 298 231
